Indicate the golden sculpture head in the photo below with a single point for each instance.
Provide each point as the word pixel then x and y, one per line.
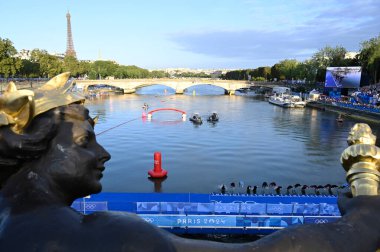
pixel 361 161
pixel 19 107
pixel 361 133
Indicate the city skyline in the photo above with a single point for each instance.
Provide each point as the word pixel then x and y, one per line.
pixel 191 34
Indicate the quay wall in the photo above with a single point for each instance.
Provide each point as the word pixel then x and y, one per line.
pixel 347 112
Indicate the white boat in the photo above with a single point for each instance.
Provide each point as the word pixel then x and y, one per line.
pixel 281 100
pixel 297 101
pixel 314 95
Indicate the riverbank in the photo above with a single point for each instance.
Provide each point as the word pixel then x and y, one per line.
pixel 346 112
pixel 23 85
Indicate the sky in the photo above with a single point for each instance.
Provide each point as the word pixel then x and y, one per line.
pixel 197 34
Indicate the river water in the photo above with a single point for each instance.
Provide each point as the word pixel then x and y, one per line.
pixel 253 142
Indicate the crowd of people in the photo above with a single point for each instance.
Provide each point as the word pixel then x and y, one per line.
pixel 366 99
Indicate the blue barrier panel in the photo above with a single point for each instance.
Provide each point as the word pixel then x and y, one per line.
pixel 275 222
pixel 227 208
pixel 211 221
pixel 253 208
pixel 306 209
pixel 204 208
pixel 225 221
pixel 95 206
pixel 282 209
pixel 329 209
pixel 191 221
pixel 90 206
pixel 76 206
pixel 148 207
pixel 320 219
pixel 164 220
pixel 178 207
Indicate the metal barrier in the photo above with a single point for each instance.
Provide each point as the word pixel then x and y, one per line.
pixel 211 213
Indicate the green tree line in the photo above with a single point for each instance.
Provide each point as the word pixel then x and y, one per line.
pixel 42 64
pixel 314 69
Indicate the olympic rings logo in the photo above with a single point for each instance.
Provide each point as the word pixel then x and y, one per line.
pixel 320 221
pixel 276 208
pixel 149 220
pixel 90 206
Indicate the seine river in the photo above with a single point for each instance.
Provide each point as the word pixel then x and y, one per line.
pixel 253 142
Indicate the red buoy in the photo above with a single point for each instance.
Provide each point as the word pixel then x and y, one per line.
pixel 157 171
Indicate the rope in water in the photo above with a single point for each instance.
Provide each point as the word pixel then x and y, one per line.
pixel 104 131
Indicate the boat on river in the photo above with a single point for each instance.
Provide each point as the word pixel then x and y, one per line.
pixel 281 100
pixel 297 101
pixel 314 95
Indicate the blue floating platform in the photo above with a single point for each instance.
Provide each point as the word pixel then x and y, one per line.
pixel 216 213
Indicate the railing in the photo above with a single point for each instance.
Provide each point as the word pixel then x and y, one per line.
pixel 204 213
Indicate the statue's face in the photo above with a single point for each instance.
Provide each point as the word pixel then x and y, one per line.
pixel 76 160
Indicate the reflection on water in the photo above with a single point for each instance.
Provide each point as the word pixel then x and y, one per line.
pixel 253 142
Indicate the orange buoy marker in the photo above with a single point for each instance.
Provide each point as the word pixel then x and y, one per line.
pixel 157 171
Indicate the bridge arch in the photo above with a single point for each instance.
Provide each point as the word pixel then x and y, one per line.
pixel 196 85
pixel 130 85
pixel 154 84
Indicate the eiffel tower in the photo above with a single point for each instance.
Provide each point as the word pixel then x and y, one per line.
pixel 70 51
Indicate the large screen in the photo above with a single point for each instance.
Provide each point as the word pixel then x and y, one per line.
pixel 343 77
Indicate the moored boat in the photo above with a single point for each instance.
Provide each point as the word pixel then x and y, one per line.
pixel 297 101
pixel 314 95
pixel 281 100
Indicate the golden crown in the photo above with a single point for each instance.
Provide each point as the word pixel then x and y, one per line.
pixel 19 107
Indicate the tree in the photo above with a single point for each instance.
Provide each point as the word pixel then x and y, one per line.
pixel 328 56
pixel 369 57
pixel 159 74
pixel 84 68
pixel 29 69
pixel 104 68
pixel 9 64
pixel 275 72
pixel 307 70
pixel 71 64
pixel 264 72
pixel 288 68
pixel 49 65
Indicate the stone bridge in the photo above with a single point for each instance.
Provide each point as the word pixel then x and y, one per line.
pixel 179 85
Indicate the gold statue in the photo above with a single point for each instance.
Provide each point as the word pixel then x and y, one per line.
pixel 361 160
pixel 19 107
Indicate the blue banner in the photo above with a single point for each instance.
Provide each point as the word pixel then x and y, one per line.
pixel 191 221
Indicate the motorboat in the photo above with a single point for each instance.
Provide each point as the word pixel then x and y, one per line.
pixel 281 100
pixel 314 95
pixel 213 117
pixel 196 119
pixel 297 101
